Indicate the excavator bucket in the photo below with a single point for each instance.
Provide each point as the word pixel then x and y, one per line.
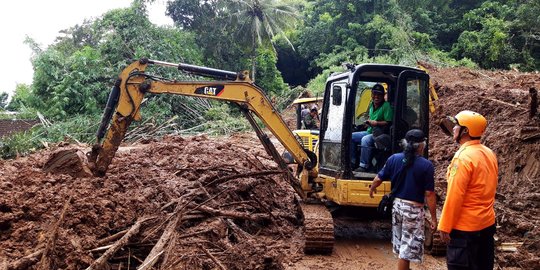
pixel 447 126
pixel 74 161
pixel 68 161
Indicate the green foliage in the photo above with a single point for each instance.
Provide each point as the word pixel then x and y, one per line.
pixel 269 77
pixel 224 120
pixel 260 21
pixel 337 33
pixel 341 55
pixel 487 41
pixel 74 85
pixel 21 97
pixel 444 59
pixel 81 128
pixel 3 100
pixel 18 144
pixel 212 31
pixel 228 30
pixel 74 75
pixel 318 84
pixel 525 33
pixel 76 129
pixel 493 33
pixel 285 100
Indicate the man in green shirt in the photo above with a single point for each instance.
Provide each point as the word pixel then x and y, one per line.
pixel 380 116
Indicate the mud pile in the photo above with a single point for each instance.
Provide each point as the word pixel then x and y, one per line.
pixel 217 203
pixel 514 134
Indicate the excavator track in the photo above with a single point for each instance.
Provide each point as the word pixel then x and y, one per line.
pixel 319 229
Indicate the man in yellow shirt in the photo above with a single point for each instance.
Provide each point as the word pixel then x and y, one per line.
pixel 467 221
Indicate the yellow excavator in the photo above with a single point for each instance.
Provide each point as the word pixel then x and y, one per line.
pixel 308 137
pixel 324 173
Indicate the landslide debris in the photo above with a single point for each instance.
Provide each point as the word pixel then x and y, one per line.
pixel 504 98
pixel 199 203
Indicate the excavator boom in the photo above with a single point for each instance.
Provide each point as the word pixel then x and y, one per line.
pixel 133 83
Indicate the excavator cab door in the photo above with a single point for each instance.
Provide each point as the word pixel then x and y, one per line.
pixel 411 106
pixel 331 147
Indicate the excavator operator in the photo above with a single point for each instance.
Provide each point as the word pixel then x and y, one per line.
pixel 467 221
pixel 380 116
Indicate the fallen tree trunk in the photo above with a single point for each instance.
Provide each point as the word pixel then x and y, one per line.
pixel 45 262
pixel 234 214
pixel 101 261
pixel 26 261
pixel 159 248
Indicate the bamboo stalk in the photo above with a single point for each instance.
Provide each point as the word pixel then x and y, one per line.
pixel 502 102
pixel 234 214
pixel 212 257
pixel 45 262
pixel 26 262
pixel 134 230
pixel 159 248
pixel 111 237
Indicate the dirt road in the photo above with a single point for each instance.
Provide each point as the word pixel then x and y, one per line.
pixel 361 245
pixel 362 254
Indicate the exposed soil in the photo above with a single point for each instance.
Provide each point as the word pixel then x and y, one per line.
pixel 229 195
pixel 504 99
pixel 229 206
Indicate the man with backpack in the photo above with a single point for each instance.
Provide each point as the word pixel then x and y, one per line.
pixel 412 179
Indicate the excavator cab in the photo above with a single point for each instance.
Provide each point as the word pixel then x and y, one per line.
pixel 346 99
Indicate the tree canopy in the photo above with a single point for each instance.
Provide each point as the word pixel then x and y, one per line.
pixel 74 75
pixel 292 42
pixel 492 33
pixel 286 43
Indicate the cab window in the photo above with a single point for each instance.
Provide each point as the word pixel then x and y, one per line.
pixel 330 155
pixel 363 99
pixel 413 111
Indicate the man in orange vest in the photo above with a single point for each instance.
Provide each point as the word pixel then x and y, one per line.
pixel 467 222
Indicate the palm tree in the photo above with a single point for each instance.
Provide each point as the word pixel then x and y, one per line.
pixel 260 21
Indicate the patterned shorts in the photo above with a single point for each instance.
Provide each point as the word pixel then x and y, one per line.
pixel 408 230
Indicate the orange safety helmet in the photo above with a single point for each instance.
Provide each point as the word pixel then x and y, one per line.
pixel 475 122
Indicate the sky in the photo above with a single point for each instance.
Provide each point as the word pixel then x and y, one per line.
pixel 42 20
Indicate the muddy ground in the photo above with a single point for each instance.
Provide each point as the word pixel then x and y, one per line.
pixel 514 134
pixel 222 203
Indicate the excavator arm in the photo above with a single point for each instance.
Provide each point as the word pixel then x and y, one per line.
pixel 126 97
pixel 134 83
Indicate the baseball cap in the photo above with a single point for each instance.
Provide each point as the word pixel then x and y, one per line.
pixel 377 89
pixel 415 136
